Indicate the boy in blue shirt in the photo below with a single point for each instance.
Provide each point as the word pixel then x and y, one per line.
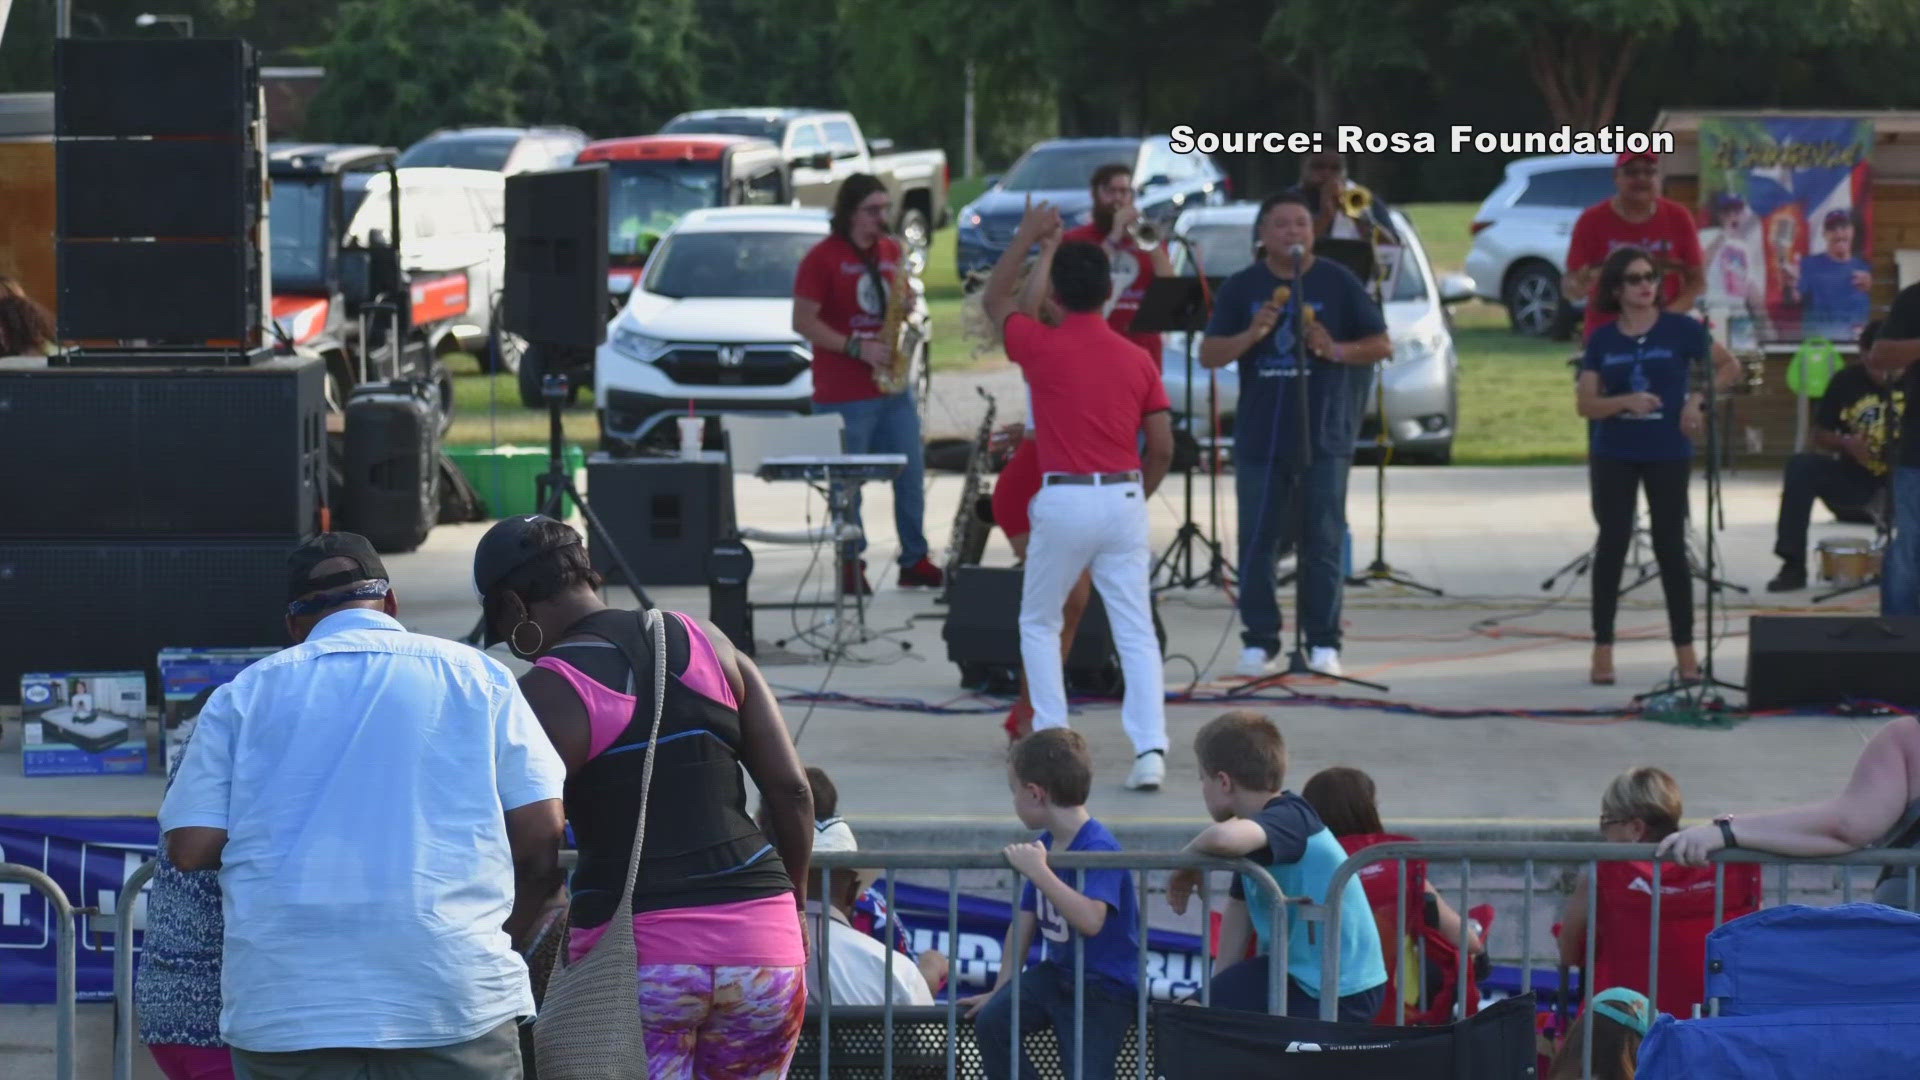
pixel 1243 763
pixel 1049 773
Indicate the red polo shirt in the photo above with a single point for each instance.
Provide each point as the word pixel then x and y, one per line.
pixel 1091 390
pixel 835 275
pixel 1132 271
pixel 1670 234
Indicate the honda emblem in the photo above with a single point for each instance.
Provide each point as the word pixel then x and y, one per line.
pixel 732 355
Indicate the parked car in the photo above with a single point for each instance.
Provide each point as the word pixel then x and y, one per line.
pixel 654 179
pixel 1521 232
pixel 823 148
pixel 1061 170
pixel 504 150
pixel 709 325
pixel 1421 378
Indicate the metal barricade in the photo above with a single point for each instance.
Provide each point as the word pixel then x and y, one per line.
pixel 123 1029
pixel 1072 867
pixel 60 914
pixel 1588 856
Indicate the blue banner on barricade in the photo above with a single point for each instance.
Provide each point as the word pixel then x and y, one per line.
pixel 89 858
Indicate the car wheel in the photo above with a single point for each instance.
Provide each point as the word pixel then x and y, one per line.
pixel 1535 305
pixel 914 230
pixel 533 368
pixel 442 380
pixel 503 353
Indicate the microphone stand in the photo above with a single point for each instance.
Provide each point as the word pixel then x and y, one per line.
pixel 1302 468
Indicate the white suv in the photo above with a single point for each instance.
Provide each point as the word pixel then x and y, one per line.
pixel 1521 232
pixel 709 325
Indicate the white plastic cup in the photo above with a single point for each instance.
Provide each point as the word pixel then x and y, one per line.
pixel 693 433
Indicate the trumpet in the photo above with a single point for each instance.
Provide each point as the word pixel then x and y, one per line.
pixel 1145 234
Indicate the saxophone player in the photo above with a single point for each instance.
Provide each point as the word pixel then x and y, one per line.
pixel 840 296
pixel 1112 226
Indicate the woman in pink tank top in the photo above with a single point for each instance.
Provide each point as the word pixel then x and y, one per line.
pixel 722 952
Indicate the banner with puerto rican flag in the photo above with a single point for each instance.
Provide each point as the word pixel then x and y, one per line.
pixel 1786 225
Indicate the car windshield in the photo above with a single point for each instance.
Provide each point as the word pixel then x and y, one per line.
pixel 754 126
pixel 488 152
pixel 298 225
pixel 1225 249
pixel 727 264
pixel 1059 168
pixel 645 198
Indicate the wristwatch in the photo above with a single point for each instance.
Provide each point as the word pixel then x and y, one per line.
pixel 1725 821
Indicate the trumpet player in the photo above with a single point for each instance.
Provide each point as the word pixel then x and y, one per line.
pixel 1342 210
pixel 1134 254
pixel 839 301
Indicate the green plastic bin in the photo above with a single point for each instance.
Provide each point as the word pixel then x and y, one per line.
pixel 505 475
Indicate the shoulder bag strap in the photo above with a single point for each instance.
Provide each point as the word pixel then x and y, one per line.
pixel 657 627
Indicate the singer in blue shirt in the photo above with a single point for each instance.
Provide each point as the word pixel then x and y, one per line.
pixel 1285 304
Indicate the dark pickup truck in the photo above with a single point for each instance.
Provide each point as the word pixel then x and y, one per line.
pixel 823 148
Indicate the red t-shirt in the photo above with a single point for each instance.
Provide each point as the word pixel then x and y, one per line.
pixel 835 275
pixel 1091 389
pixel 1669 234
pixel 1132 271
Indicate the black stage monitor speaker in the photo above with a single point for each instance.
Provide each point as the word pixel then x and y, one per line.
pixel 111 188
pixel 983 635
pixel 111 606
pixel 162 87
pixel 1818 661
pixel 556 290
pixel 665 514
pixel 166 290
pixel 129 453
pixel 729 606
pixel 391 470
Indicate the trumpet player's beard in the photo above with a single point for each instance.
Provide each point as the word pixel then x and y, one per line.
pixel 1103 218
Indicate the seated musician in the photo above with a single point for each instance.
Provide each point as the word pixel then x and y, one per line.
pixel 1854 425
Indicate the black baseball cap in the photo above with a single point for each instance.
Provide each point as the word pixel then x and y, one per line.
pixel 334 545
pixel 511 544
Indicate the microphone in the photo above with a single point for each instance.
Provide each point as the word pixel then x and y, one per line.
pixel 1297 251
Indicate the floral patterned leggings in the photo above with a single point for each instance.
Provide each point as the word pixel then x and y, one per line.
pixel 721 1023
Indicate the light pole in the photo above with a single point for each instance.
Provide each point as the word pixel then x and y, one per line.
pixel 147 19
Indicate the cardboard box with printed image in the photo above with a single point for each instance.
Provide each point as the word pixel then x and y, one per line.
pixel 188 677
pixel 84 722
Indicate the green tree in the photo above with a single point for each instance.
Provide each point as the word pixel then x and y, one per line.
pixel 619 68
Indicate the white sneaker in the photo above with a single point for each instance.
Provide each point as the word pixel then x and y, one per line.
pixel 1325 661
pixel 1149 769
pixel 1254 662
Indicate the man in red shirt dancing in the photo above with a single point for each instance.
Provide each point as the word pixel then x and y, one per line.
pixel 1636 216
pixel 1094 392
pixel 839 304
pixel 1132 269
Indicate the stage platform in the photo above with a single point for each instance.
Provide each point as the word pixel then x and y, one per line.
pixel 1489 537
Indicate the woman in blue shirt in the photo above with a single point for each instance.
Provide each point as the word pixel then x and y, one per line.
pixel 1636 386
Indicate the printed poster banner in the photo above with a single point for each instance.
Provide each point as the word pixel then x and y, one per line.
pixel 1786 220
pixel 90 859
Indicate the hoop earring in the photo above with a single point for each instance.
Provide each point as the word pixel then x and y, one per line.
pixel 513 638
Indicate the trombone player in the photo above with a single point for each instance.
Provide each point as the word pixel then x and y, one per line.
pixel 1342 209
pixel 1135 255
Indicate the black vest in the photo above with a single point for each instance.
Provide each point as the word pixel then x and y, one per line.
pixel 702 846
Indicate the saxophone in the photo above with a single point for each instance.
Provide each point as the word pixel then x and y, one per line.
pixel 968 541
pixel 898 333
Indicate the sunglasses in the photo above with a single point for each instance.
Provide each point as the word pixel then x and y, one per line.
pixel 1647 278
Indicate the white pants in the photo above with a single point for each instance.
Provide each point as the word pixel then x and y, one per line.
pixel 1103 526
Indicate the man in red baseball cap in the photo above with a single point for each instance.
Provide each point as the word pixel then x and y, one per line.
pixel 1636 216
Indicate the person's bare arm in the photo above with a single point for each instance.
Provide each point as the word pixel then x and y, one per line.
pixel 1082 912
pixel 562 715
pixel 1216 352
pixel 1033 292
pixel 196 847
pixel 771 760
pixel 1236 929
pixel 1893 355
pixel 808 324
pixel 1727 371
pixel 1365 351
pixel 534 834
pixel 1449 921
pixel 1573 925
pixel 1159 456
pixel 1593 405
pixel 1577 285
pixel 1876 797
pixel 1162 262
pixel 999 300
pixel 1013 958
pixel 1693 283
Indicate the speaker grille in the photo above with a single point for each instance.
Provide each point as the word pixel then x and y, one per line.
pixel 165 290
pixel 147 453
pixel 166 87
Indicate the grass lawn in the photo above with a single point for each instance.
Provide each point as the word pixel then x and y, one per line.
pixel 1516 394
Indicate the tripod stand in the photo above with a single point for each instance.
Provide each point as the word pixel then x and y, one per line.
pixel 557 483
pixel 1702 694
pixel 1180 304
pixel 1643 564
pixel 1302 372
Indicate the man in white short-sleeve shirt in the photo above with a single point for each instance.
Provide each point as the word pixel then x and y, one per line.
pixel 385 813
pixel 856 962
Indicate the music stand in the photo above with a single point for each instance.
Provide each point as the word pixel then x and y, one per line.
pixel 1179 304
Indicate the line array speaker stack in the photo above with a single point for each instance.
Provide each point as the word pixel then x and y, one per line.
pixel 164 463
